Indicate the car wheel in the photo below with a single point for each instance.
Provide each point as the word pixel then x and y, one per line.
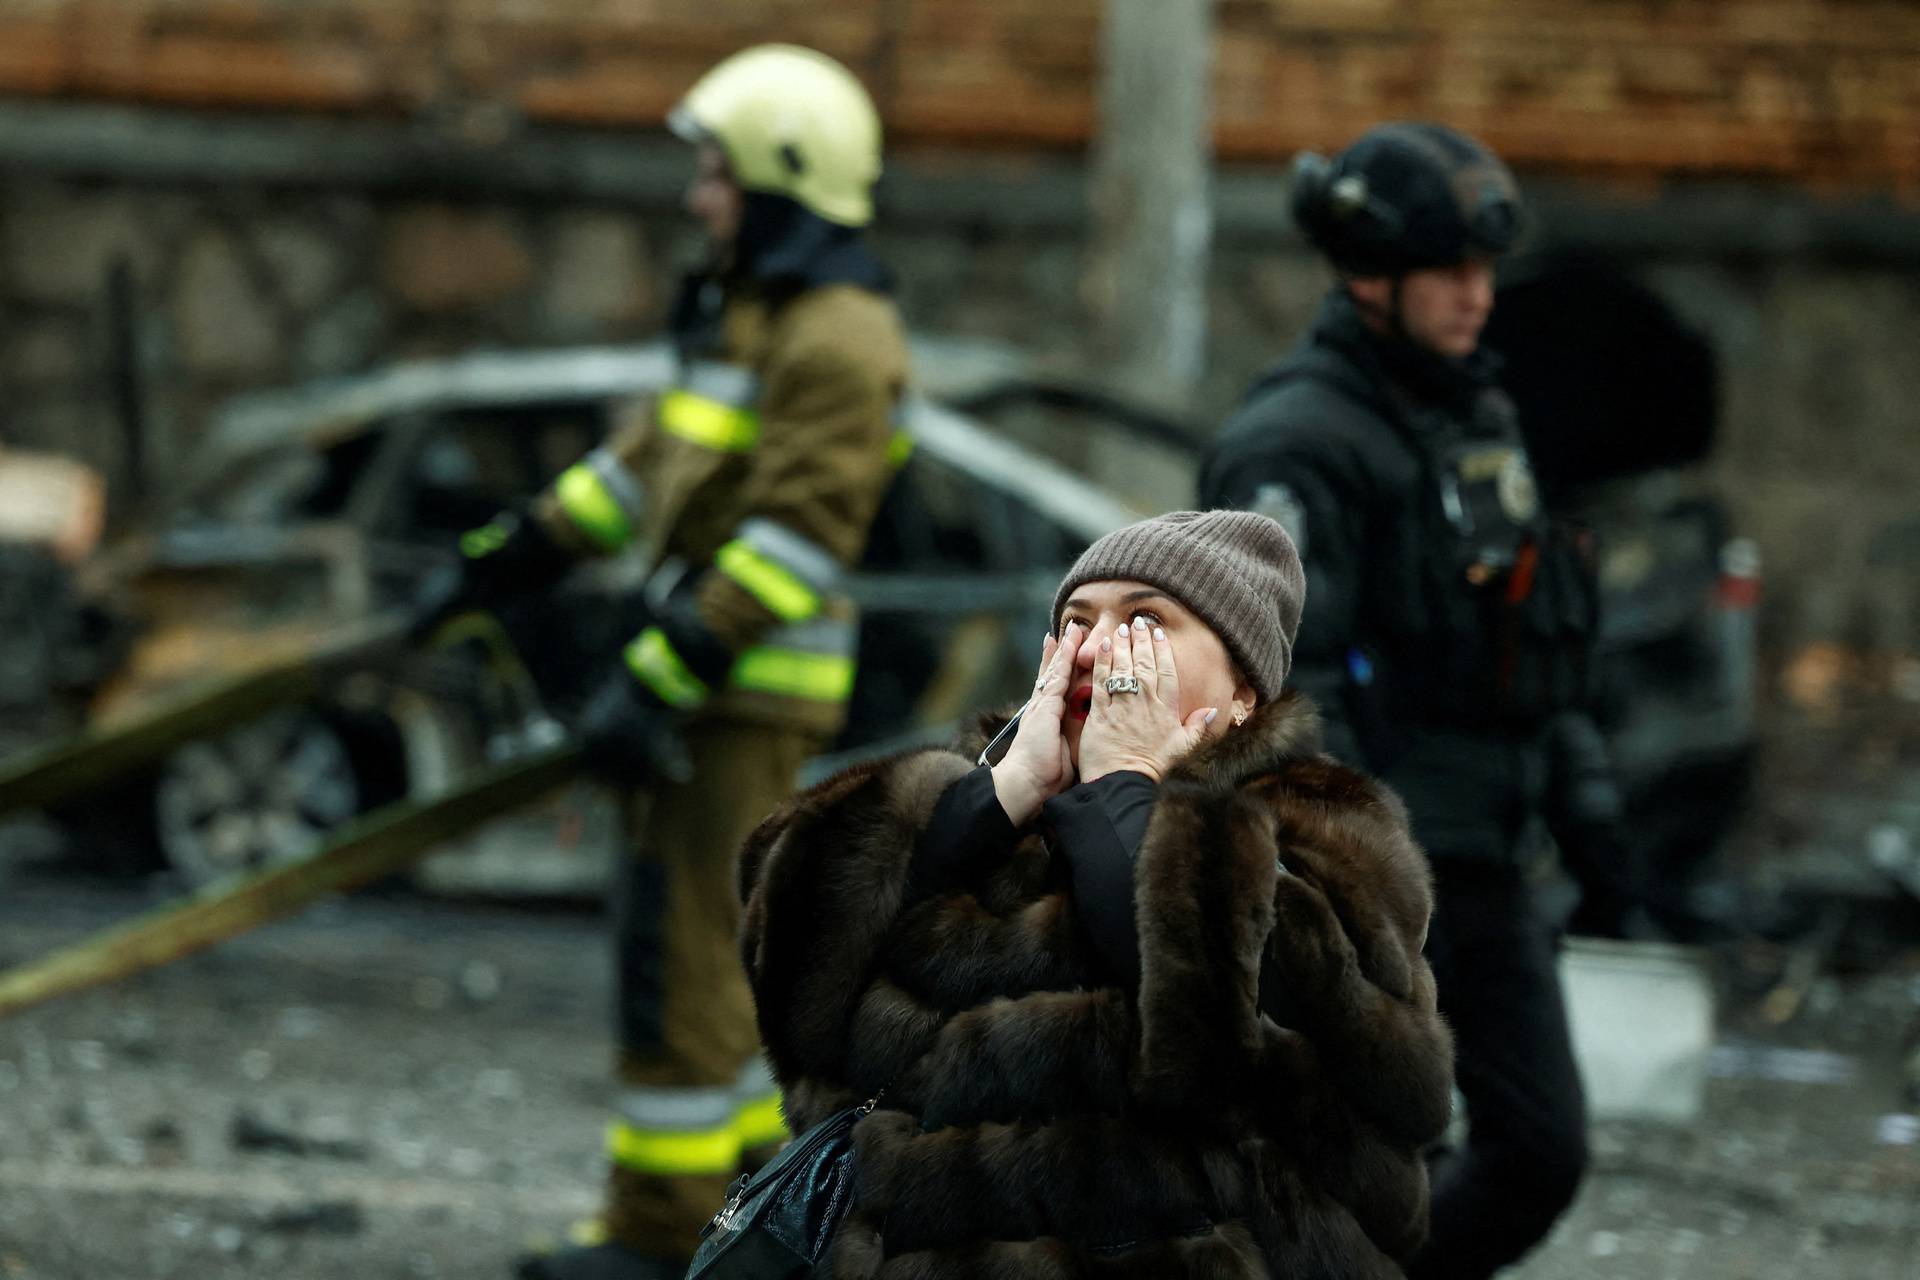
pixel 260 795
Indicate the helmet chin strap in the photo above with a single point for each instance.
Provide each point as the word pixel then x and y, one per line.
pixel 1396 316
pixel 1391 319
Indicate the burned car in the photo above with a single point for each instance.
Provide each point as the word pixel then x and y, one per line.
pixel 54 647
pixel 311 516
pixel 1619 399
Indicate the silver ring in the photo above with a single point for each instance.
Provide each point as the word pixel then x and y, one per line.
pixel 1123 684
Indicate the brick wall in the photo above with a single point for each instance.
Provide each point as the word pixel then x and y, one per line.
pixel 1825 92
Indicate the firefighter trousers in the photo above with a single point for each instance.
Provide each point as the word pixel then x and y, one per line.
pixel 696 1102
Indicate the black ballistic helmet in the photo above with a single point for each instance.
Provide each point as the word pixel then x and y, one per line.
pixel 1405 196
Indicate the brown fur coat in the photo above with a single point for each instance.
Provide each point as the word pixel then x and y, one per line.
pixel 1040 1124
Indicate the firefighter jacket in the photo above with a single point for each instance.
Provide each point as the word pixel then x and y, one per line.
pixel 750 483
pixel 1449 619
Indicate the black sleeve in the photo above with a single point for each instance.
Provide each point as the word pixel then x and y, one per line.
pixel 1584 812
pixel 1098 828
pixel 1321 504
pixel 968 828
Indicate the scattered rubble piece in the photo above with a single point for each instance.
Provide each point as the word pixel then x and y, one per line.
pixel 481 981
pixel 497 1084
pixel 1899 1130
pixel 468 1162
pixel 136 1036
pixel 163 1141
pixel 1806 962
pixel 431 994
pixel 325 1217
pixel 253 1131
pixel 88 1055
pixel 1789 1066
pixel 298 1022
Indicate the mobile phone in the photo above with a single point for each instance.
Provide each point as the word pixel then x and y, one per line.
pixel 996 749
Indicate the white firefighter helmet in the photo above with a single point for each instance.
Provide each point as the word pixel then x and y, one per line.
pixel 792 122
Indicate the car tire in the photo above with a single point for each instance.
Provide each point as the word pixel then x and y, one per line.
pixel 269 791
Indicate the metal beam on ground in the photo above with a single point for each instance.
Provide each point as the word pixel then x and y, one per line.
pixel 371 848
pixel 96 757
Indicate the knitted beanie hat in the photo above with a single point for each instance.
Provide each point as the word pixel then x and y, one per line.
pixel 1239 572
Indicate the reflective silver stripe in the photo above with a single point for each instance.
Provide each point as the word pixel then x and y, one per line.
pixel 837 637
pixel 755 1079
pixel 621 483
pixel 730 384
pixel 662 581
pixel 805 559
pixel 679 1110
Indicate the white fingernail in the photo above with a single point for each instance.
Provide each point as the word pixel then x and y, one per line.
pixel 1158 634
pixel 1213 713
pixel 1106 645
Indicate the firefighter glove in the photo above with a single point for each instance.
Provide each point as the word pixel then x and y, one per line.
pixel 509 556
pixel 631 735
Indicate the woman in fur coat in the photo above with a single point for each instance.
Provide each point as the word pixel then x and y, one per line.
pixel 1145 998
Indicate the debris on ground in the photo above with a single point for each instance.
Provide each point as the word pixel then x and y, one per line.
pixel 254 1130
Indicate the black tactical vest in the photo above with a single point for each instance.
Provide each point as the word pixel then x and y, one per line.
pixel 1485 609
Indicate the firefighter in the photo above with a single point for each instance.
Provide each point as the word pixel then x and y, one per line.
pixel 1447 635
pixel 750 485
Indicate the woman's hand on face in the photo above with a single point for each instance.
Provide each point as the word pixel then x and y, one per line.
pixel 1038 765
pixel 1142 732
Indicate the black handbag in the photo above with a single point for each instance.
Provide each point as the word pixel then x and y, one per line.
pixel 778 1222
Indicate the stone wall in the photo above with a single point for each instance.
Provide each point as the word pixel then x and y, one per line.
pixel 247 289
pixel 243 284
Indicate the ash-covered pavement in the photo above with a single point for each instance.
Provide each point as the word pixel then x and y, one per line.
pixel 394 1086
pixel 382 1088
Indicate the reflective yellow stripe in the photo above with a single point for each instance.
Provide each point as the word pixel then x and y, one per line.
pixel 899 449
pixel 760 1123
pixel 665 1152
pixel 790 673
pixel 771 583
pixel 651 657
pixel 483 541
pixel 711 424
pixel 592 507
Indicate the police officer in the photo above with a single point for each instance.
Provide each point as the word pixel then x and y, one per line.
pixel 1447 630
pixel 750 484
